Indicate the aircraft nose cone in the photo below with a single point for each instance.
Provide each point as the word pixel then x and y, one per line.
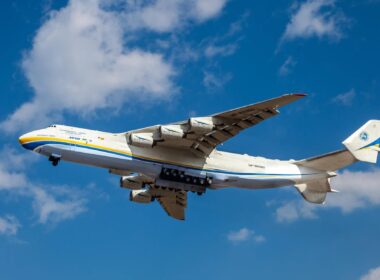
pixel 22 140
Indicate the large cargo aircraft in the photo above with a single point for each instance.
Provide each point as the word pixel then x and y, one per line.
pixel 165 162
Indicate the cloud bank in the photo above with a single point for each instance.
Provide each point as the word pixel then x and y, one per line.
pixel 87 56
pixel 373 274
pixel 50 204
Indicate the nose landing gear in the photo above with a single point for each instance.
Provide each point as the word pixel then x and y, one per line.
pixel 55 159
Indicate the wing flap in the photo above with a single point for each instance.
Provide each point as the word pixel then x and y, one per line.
pixel 173 202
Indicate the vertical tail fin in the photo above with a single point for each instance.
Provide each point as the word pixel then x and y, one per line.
pixel 364 143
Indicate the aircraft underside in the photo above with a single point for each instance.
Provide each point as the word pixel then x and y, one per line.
pixel 167 175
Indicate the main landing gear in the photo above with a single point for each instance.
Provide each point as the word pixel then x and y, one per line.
pixel 54 159
pixel 195 184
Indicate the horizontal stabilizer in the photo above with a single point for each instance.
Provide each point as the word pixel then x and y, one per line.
pixel 314 192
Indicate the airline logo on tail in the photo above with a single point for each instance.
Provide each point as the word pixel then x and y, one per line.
pixel 364 143
pixel 364 136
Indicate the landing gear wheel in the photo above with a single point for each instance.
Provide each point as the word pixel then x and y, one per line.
pixel 54 160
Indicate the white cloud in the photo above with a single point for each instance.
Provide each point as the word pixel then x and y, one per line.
pixel 10 163
pixel 159 16
pixel 15 160
pixel 213 81
pixel 227 43
pixel 346 98
pixel 373 274
pixel 51 210
pixel 9 225
pixel 78 63
pixel 208 9
pixel 11 180
pixel 245 234
pixel 221 46
pixel 169 15
pixel 82 58
pixel 51 204
pixel 317 18
pixel 294 210
pixel 287 66
pixel 357 190
pixel 222 50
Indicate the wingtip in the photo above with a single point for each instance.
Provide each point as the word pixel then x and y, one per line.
pixel 299 94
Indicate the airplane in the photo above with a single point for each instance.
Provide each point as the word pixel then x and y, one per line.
pixel 165 162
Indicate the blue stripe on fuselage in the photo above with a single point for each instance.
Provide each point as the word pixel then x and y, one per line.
pixel 36 144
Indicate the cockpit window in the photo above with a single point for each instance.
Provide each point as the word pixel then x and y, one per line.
pixel 53 125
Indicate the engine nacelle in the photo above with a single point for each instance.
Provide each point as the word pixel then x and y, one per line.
pixel 141 196
pixel 133 182
pixel 141 140
pixel 200 125
pixel 170 132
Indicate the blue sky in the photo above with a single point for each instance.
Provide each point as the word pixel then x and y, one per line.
pixel 116 65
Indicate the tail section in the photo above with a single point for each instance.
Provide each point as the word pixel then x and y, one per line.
pixel 364 143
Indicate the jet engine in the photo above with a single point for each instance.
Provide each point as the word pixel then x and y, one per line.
pixel 201 125
pixel 141 140
pixel 140 196
pixel 133 182
pixel 170 132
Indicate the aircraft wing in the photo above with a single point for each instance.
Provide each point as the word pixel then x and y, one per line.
pixel 202 134
pixel 174 203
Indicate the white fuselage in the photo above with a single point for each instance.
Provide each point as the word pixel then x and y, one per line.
pixel 111 151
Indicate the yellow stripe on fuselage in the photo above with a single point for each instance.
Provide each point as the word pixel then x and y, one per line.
pixel 70 141
pixel 84 143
